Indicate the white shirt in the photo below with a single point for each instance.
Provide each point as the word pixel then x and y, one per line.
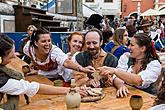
pixel 18 87
pixel 56 54
pixel 149 75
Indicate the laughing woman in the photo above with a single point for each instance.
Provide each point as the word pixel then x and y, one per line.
pixel 75 44
pixel 50 59
pixel 142 69
pixel 11 82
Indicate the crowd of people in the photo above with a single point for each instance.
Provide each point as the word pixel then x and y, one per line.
pixel 121 55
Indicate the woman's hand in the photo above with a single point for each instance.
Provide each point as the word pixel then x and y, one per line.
pixel 88 69
pixel 122 91
pixel 105 71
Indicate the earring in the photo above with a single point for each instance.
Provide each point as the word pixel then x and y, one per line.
pixel 0 60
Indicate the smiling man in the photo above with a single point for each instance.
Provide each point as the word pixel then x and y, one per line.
pixel 95 56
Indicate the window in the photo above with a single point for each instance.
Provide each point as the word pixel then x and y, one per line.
pixel 89 0
pixel 64 6
pixel 108 0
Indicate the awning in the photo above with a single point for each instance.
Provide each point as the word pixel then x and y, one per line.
pixel 87 11
pixel 162 12
pixel 150 12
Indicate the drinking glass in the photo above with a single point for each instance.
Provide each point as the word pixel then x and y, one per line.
pixel 136 102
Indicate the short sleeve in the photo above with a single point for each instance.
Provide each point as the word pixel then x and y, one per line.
pixel 58 55
pixel 151 73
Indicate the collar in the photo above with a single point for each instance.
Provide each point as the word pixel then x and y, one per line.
pixel 101 54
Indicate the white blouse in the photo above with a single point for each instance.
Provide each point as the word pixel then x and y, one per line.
pixel 149 75
pixel 18 87
pixel 56 54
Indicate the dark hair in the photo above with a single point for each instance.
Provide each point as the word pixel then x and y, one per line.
pixel 70 38
pixel 6 44
pixel 35 35
pixel 95 30
pixel 106 35
pixel 118 36
pixel 143 39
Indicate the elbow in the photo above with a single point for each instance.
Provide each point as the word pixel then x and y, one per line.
pixel 137 82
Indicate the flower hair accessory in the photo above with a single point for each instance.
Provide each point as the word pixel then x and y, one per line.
pixel 153 49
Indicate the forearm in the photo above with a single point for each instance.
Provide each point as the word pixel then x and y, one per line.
pixel 52 90
pixel 118 83
pixel 133 79
pixel 72 65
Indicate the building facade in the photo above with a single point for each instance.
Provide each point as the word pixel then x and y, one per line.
pixel 136 7
pixel 109 8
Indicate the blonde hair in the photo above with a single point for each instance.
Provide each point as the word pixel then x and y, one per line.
pixel 31 26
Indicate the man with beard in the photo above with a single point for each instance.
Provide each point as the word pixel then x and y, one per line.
pixel 96 57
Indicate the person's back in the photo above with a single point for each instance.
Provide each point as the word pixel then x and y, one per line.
pixel 117 46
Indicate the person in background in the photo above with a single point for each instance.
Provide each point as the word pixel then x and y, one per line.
pixel 145 26
pixel 75 44
pixel 117 46
pixel 94 21
pixel 96 57
pixel 12 82
pixel 50 60
pixel 140 69
pixel 107 32
pixel 30 30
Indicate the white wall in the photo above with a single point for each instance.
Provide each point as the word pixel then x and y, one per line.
pixel 104 8
pixel 10 23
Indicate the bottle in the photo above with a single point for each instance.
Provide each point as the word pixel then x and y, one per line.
pixel 73 98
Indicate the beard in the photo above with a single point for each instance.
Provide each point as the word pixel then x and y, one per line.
pixel 93 52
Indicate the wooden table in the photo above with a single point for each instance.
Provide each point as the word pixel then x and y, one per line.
pixel 57 102
pixel 110 102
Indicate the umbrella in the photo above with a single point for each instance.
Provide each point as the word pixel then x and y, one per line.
pixel 150 12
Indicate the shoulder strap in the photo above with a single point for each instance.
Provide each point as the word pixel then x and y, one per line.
pixel 114 49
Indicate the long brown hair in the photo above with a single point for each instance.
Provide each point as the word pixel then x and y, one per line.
pixel 118 36
pixel 143 39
